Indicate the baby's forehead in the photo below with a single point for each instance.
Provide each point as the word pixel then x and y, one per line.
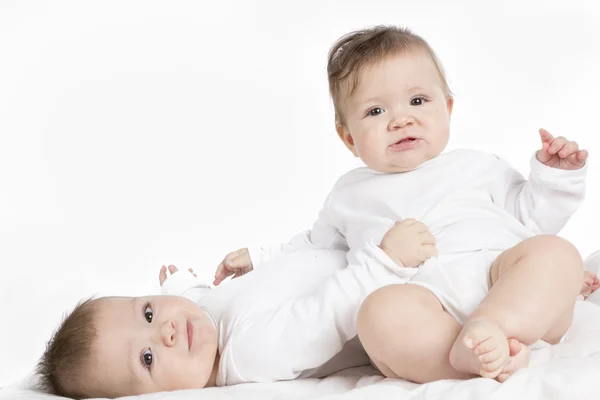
pixel 113 308
pixel 114 325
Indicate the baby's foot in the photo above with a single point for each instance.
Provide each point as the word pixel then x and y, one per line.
pixel 481 348
pixel 519 358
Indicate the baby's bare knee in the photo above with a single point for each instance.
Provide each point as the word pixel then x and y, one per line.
pixel 559 253
pixel 553 246
pixel 390 311
pixel 374 313
pixel 393 303
pixel 404 329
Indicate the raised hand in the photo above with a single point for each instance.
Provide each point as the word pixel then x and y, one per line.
pixel 560 152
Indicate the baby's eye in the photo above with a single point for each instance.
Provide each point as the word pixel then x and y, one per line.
pixel 148 313
pixel 373 112
pixel 147 359
pixel 418 101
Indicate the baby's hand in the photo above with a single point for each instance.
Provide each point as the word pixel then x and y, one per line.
pixel 409 243
pixel 162 276
pixel 236 263
pixel 560 153
pixel 590 284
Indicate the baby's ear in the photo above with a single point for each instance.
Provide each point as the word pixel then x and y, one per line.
pixel 450 105
pixel 344 134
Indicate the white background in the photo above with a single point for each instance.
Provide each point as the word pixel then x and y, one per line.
pixel 134 134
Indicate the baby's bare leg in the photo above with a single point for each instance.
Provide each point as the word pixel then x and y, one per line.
pixel 535 285
pixel 407 334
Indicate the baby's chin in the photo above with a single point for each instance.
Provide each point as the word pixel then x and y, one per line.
pixel 396 168
pixel 405 164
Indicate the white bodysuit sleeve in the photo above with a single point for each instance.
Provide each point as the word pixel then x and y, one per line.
pixel 546 201
pixel 323 235
pixel 308 331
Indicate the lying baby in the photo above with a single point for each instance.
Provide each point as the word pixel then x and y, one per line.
pixel 290 319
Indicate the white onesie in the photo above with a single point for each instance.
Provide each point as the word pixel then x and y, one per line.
pixel 293 318
pixel 475 204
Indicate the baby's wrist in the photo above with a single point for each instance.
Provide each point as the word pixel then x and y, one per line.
pixel 391 254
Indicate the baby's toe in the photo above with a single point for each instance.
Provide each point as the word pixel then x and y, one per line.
pixel 490 356
pixel 495 365
pixel 486 346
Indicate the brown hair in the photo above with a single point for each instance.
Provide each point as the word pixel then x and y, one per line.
pixel 355 50
pixel 62 368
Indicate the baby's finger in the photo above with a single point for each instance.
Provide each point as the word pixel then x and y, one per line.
pixel 429 250
pixel 234 258
pixel 545 136
pixel 173 269
pixel 427 238
pixel 582 155
pixel 542 155
pixel 223 271
pixel 229 259
pixel 557 145
pixel 238 273
pixel 420 227
pixel 192 272
pixel 572 159
pixel 221 274
pixel 162 276
pixel 569 149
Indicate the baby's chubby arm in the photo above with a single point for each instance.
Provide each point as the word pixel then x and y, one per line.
pixel 554 191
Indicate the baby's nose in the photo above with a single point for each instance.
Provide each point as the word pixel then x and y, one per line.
pixel 168 331
pixel 401 120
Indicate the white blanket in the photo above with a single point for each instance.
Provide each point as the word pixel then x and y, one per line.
pixel 570 370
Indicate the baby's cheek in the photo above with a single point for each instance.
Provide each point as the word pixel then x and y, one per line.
pixel 370 152
pixel 180 376
pixel 207 335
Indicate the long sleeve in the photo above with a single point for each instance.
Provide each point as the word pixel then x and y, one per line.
pixel 546 201
pixel 308 331
pixel 323 235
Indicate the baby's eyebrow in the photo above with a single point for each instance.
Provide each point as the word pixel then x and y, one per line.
pixel 415 88
pixel 375 99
